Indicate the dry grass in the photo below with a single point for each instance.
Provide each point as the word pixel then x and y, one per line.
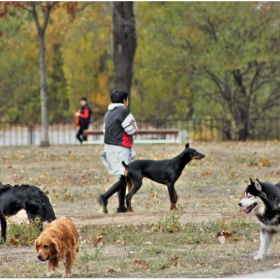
pixel 151 242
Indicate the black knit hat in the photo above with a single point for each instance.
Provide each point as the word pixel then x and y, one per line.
pixel 84 98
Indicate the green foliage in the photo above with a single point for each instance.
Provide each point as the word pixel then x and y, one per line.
pixel 168 229
pixel 58 100
pixel 171 223
pixel 24 233
pixel 215 59
pixel 193 59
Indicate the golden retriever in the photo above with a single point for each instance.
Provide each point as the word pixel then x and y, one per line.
pixel 58 242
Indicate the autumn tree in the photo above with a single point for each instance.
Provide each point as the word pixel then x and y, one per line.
pixel 227 52
pixel 58 101
pixel 88 58
pixel 241 62
pixel 20 100
pixel 36 10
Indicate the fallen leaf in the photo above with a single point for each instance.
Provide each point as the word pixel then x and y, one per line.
pixel 121 241
pixel 207 173
pixel 110 271
pixel 141 263
pixel 265 161
pixel 9 166
pixel 17 235
pixel 223 223
pixel 224 233
pixel 154 195
pixel 14 241
pixel 148 243
pixel 98 241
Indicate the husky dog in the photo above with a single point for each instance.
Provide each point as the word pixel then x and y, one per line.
pixel 262 199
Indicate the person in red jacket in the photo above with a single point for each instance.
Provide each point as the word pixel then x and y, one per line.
pixel 84 115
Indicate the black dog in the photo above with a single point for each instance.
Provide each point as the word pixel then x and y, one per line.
pixel 30 198
pixel 165 172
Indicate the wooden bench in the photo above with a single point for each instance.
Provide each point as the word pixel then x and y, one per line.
pixel 151 132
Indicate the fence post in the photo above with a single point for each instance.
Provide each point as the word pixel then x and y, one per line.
pixel 30 135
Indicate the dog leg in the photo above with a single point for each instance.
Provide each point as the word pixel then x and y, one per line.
pixel 3 229
pixel 172 196
pixel 129 188
pixel 68 265
pixel 266 239
pixel 136 186
pixel 175 196
pixel 50 271
pixel 268 242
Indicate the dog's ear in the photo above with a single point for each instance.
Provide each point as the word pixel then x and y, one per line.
pixel 258 185
pixel 36 245
pixel 187 145
pixel 56 243
pixel 251 181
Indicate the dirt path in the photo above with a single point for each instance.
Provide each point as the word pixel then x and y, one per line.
pixel 146 218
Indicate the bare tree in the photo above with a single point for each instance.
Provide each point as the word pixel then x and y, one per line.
pixel 46 9
pixel 124 32
pixel 43 77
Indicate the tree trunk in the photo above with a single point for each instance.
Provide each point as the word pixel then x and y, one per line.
pixel 43 90
pixel 124 44
pixel 43 79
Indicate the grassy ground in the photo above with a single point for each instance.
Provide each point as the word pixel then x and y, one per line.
pixel 152 241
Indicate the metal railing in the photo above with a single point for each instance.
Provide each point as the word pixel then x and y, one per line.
pixel 64 133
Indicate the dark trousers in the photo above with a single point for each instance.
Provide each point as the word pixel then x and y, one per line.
pixel 119 187
pixel 80 135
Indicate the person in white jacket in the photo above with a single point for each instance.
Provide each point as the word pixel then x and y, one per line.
pixel 119 128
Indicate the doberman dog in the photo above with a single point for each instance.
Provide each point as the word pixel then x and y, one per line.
pixel 165 172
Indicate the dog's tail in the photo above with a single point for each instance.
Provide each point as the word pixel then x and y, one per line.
pixel 125 168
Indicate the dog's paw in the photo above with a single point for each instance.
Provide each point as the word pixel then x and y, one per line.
pixel 255 253
pixel 258 257
pixel 50 274
pixel 68 274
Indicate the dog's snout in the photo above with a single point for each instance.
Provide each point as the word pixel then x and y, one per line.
pixel 240 204
pixel 39 257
